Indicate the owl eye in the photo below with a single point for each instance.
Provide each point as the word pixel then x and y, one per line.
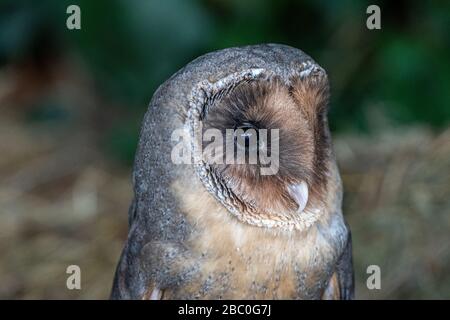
pixel 245 136
pixel 246 125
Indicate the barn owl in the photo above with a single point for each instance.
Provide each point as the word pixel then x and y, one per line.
pixel 213 229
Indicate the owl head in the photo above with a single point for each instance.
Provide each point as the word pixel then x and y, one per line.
pixel 265 144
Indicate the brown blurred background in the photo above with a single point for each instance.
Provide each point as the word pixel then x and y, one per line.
pixel 71 103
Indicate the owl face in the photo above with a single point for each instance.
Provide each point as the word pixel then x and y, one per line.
pixel 267 122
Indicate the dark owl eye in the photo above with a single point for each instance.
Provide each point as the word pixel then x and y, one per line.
pixel 246 136
pixel 246 125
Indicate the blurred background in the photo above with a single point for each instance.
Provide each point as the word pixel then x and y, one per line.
pixel 72 101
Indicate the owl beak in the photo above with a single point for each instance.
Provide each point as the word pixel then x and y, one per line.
pixel 299 192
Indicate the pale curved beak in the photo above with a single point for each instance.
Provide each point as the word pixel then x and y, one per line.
pixel 299 192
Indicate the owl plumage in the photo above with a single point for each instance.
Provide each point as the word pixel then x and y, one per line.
pixel 218 230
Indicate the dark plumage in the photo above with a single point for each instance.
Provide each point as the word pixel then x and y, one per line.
pixel 226 230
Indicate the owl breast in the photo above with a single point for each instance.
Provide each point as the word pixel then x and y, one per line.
pixel 234 260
